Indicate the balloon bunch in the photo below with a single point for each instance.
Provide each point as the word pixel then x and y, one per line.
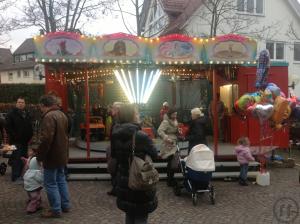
pixel 269 102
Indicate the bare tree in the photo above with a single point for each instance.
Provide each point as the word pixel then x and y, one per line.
pixel 57 15
pixel 4 21
pixel 292 32
pixel 135 10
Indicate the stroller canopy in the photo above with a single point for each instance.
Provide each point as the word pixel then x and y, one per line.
pixel 201 158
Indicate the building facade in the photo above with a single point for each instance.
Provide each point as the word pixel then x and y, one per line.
pixel 274 24
pixel 20 66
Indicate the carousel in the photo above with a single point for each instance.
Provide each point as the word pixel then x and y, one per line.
pixel 89 73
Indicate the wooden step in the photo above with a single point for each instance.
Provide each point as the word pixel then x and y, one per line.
pixel 92 171
pixel 162 176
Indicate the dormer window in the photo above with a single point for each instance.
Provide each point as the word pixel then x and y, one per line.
pixel 24 57
pixel 253 7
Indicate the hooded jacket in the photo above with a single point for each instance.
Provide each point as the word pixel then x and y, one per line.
pixel 33 177
pixel 131 201
pixel 243 154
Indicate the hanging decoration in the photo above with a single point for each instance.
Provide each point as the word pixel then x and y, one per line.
pixel 263 66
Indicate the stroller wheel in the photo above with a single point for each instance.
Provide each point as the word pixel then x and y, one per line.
pixel 3 167
pixel 212 195
pixel 195 198
pixel 177 189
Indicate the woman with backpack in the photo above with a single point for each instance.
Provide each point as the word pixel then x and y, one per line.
pixel 137 204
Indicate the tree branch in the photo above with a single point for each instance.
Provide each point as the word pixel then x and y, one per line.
pixel 122 16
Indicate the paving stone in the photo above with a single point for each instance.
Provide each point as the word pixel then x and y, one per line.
pixel 234 204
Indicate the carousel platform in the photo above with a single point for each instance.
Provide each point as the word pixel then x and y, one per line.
pixel 95 167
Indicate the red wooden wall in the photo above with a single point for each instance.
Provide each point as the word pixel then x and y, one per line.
pixel 56 82
pixel 250 127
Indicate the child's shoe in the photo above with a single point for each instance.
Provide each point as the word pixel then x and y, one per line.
pixel 243 183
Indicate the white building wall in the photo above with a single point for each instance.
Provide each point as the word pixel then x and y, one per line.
pixel 156 21
pixel 30 79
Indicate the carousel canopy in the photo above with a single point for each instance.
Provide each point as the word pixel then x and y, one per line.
pixel 120 48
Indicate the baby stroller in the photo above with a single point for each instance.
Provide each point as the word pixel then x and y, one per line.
pixel 197 170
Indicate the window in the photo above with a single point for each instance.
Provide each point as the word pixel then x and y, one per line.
pixel 26 74
pixel 254 7
pixel 276 50
pixel 10 76
pixel 23 57
pixel 296 51
pixel 19 74
pixel 29 57
pixel 17 58
pixel 250 6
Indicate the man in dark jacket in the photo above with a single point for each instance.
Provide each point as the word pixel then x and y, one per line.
pixel 53 153
pixel 18 126
pixel 197 132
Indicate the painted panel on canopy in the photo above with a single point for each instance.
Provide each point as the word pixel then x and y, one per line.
pixel 62 45
pixel 175 48
pixel 229 47
pixel 122 46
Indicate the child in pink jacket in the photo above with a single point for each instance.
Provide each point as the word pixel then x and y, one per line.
pixel 244 156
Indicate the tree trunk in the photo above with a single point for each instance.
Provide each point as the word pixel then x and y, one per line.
pixel 68 15
pixel 212 28
pixel 51 17
pixel 138 25
pixel 74 15
pixel 45 14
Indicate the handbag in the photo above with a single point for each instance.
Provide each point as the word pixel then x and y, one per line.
pixel 175 161
pixel 142 174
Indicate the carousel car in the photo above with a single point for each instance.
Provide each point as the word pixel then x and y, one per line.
pixel 97 129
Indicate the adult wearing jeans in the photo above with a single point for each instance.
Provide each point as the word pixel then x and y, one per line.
pixel 19 130
pixel 53 153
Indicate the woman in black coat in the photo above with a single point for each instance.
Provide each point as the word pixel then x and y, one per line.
pixel 136 204
pixel 197 133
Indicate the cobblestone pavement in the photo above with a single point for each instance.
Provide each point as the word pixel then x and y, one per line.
pixel 234 204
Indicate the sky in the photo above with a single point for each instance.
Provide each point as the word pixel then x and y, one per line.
pixel 105 25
